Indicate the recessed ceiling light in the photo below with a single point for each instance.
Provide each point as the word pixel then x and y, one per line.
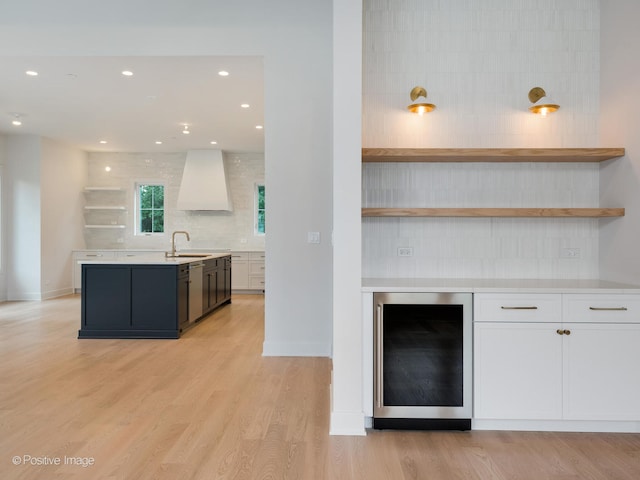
pixel 31 73
pixel 107 168
pixel 259 127
pixel 103 141
pixel 213 142
pixel 186 129
pixel 16 122
pixel 127 73
pixel 245 105
pixel 223 73
pixel 158 142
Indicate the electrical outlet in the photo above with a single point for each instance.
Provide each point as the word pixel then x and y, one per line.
pixel 405 251
pixel 569 253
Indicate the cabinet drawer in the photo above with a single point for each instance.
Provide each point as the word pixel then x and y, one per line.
pixel 257 256
pixel 240 256
pixel 601 308
pixel 256 282
pixel 256 268
pixel 516 307
pixel 94 255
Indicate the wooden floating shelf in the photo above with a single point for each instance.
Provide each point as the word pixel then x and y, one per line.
pixel 105 226
pixel 493 155
pixel 103 189
pixel 104 207
pixel 494 212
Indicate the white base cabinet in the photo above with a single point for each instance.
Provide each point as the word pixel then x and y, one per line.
pixel 256 270
pixel 556 361
pixel 240 276
pixel 517 374
pixel 601 367
pixel 248 272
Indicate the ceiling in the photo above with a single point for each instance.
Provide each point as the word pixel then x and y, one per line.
pixel 84 100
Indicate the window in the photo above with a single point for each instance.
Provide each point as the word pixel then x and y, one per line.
pixel 150 208
pixel 260 210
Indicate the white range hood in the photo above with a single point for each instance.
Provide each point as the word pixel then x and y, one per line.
pixel 204 183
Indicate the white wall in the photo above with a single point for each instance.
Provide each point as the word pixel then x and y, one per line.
pixel 43 211
pixel 478 61
pixel 346 400
pixel 620 117
pixel 294 36
pixel 23 255
pixel 63 174
pixel 207 229
pixel 3 223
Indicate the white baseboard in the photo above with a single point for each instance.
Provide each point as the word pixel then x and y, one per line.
pixel 557 425
pixel 347 424
pixel 61 292
pixel 38 296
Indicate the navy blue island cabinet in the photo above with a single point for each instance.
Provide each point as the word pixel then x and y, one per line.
pixel 147 300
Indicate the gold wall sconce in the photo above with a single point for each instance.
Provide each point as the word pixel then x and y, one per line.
pixel 537 93
pixel 417 106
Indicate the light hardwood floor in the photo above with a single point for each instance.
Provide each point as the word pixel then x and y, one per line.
pixel 209 406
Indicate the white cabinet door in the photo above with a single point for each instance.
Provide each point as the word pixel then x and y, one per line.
pixel 602 371
pixel 517 371
pixel 239 271
pixel 239 275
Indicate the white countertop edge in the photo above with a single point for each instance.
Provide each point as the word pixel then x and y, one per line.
pixel 496 285
pixel 151 259
pixel 186 250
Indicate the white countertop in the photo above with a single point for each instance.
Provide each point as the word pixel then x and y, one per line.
pixel 197 250
pixel 505 285
pixel 152 259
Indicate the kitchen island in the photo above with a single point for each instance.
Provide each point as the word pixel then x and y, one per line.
pixel 151 296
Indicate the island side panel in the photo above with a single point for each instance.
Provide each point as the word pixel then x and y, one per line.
pixel 153 298
pixel 106 298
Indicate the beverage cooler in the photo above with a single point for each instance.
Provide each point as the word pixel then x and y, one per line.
pixel 423 361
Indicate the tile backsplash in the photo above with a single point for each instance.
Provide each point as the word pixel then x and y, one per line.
pixel 480 247
pixel 477 61
pixel 207 229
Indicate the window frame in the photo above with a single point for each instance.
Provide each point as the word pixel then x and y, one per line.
pixel 138 208
pixel 257 209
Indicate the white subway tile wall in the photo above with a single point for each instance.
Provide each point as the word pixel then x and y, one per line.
pixel 477 61
pixel 207 229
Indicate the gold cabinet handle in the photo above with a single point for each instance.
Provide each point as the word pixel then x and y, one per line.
pixel 567 332
pixel 518 308
pixel 617 309
pixel 563 332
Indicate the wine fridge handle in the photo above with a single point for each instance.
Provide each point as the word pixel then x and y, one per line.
pixel 379 356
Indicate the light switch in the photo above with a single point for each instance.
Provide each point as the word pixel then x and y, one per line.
pixel 313 237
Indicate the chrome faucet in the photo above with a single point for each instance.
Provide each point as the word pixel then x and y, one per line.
pixel 173 241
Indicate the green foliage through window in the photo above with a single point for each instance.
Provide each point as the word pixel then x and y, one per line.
pixel 151 208
pixel 260 210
